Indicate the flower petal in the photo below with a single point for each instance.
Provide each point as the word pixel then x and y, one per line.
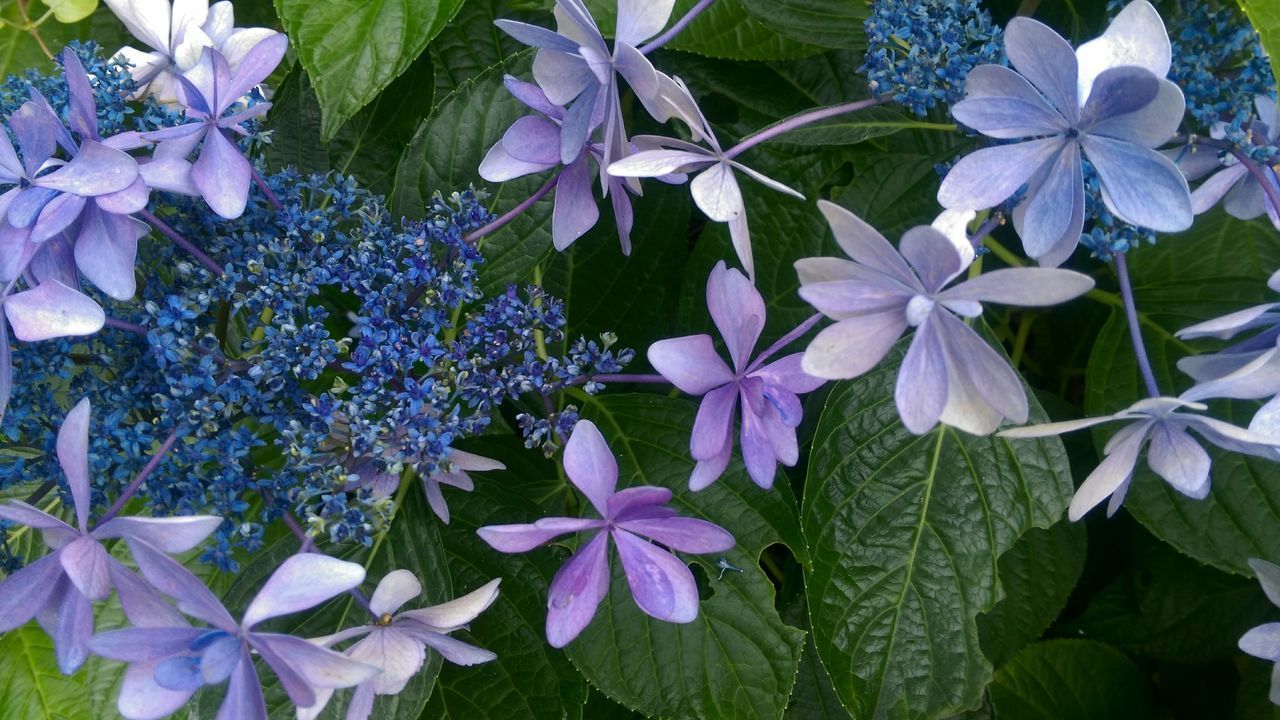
pixel 171 534
pixel 865 244
pixel 394 589
pixel 714 422
pixel 1047 60
pixel 690 363
pixel 1179 459
pixel 525 537
pixel 853 346
pixel 25 592
pixel 590 465
pixel 244 699
pixel 252 69
pixel 988 177
pixel 1268 577
pixel 1140 186
pixel 52 310
pixel 689 535
pixel 454 650
pixel 757 450
pixel 1151 125
pixel 1135 37
pixel 95 170
pixel 982 375
pixel 661 584
pixel 1023 287
pixel 637 501
pixel 172 579
pixel 716 192
pixel 653 163
pixel 1114 470
pixel 145 643
pixel 576 591
pixel 73 456
pixel 534 140
pixel 738 311
pixel 1263 642
pixel 575 211
pixel 317 666
pixel 302 582
pixel 1000 103
pixel 458 612
pixel 74 632
pixel 85 562
pixel 639 20
pixel 142 698
pixel 921 391
pixel 934 257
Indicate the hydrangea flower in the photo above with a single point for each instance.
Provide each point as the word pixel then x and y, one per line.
pixel 460 463
pixel 1239 191
pixel 575 68
pixel 61 587
pixel 1161 425
pixel 950 373
pixel 396 643
pixel 221 173
pixel 770 409
pixel 661 583
pixel 177 34
pixel 714 186
pixel 168 664
pixel 1108 99
pixel 1264 319
pixel 1264 641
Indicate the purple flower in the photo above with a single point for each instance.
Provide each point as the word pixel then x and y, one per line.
pixel 950 373
pixel 770 409
pixel 1264 640
pixel 221 174
pixel 61 587
pixel 534 144
pixel 397 643
pixel 1234 185
pixel 169 663
pixel 575 68
pixel 715 187
pixel 461 462
pixel 661 584
pixel 1109 99
pixel 1162 425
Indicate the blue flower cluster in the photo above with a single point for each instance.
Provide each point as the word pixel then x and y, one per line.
pixel 919 51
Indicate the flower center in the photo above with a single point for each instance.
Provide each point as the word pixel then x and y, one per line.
pixel 918 310
pixel 384 620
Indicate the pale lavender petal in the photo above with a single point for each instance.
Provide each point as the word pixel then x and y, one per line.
pixel 537 36
pixel 788 372
pixel 532 96
pixel 590 465
pixel 708 471
pixel 396 651
pixel 222 175
pixel 639 20
pixel 684 534
pixel 219 659
pixel 471 462
pixel 455 651
pixel 142 698
pixel 1111 473
pixel 1229 437
pixel 1023 287
pixel 637 500
pixel 714 422
pixel 11 170
pixel 170 534
pixel 256 65
pixel 623 215
pixel 933 256
pixel 738 311
pixel 1051 203
pixel 1135 37
pixel 142 604
pixel 73 457
pixel 652 163
pixel 181 673
pixel 1055 428
pixel 169 577
pixel 19 512
pixel 853 346
pixel 521 538
pixel 26 207
pixel 35 133
pixel 1263 642
pixel 458 612
pixel 25 592
pixel 105 251
pixel 82 113
pixel 1047 60
pixel 1117 92
pixel 757 450
pixel 52 310
pixel 781 417
pixel 575 210
pixel 317 666
pixel 1151 125
pixel 866 292
pixel 435 498
pixel 85 563
pixel 185 132
pixel 636 69
pixel 661 584
pixel 980 372
pixel 1000 103
pixel 990 176
pixel 146 643
pixel 244 699
pixel 1246 200
pixel 56 216
pixel 561 75
pixel 1268 577
pixel 499 166
pixel 576 591
pixel 74 633
pixel 1140 186
pixel 302 582
pixel 395 589
pixel 533 140
pixel 921 391
pixel 1054 252
pixel 127 201
pixel 577 125
pixel 95 170
pixel 716 193
pixel 1179 459
pixel 691 363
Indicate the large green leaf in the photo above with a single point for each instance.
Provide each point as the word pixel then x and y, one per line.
pixel 906 534
pixel 725 30
pixel 830 23
pixel 1217 267
pixel 471 43
pixel 738 659
pixel 1265 16
pixel 353 49
pixel 1071 680
pixel 32 687
pixel 445 156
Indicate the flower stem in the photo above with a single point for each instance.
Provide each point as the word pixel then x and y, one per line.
pixel 516 211
pixel 987 227
pixel 126 326
pixel 140 478
pixel 650 379
pixel 265 188
pixel 1135 331
pixel 798 122
pixel 676 29
pixel 785 340
pixel 180 241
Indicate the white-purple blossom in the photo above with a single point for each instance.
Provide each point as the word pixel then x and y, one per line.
pixel 1263 641
pixel 1234 183
pixel 60 588
pixel 771 410
pixel 1108 99
pixel 662 585
pixel 397 642
pixel 950 374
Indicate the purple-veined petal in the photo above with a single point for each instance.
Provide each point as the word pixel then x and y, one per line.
pixel 169 534
pixel 1000 103
pixel 714 422
pixel 757 450
pixel 767 181
pixel 1135 37
pixel 302 582
pixel 1229 325
pixel 1150 126
pixel 738 311
pixel 576 591
pixel 1140 186
pixel 1055 428
pixel 536 36
pixel 921 391
pixel 575 210
pixel 842 289
pixel 1023 287
pixel 1263 642
pixel 1047 60
pixel 222 175
pixel 52 310
pixel 520 538
pixel 36 132
pixel 590 465
pixel 95 170
pixel 532 139
pixel 127 201
pixel 562 75
pixel 639 20
pixel 458 612
pixel 394 589
pixel 454 650
pixel 256 65
pixel 988 177
pixel 219 658
pixel 82 112
pixel 181 674
pixel 982 375
pixel 1229 437
pixel 690 535
pixel 74 632
pixel 145 643
pixel 853 346
pixel 170 578
pixel 186 132
pixel 716 192
pixel 652 163
pixel 1179 459
pixel 1049 211
pixel 26 206
pixel 691 363
pixel 244 699
pixel 105 251
pixel 1054 252
pixel 25 592
pixel 1111 473
pixel 532 96
pixel 73 457
pixel 499 166
pixel 661 584
pixel 635 501
pixel 1117 92
pixel 84 561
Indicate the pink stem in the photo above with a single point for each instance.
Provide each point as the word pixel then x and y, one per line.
pixel 798 122
pixel 180 241
pixel 676 29
pixel 141 477
pixel 516 211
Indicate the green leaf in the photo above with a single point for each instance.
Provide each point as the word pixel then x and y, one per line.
pixel 471 43
pixel 1185 279
pixel 367 146
pixel 31 686
pixel 725 30
pixel 445 156
pixel 353 49
pixel 1038 574
pixel 19 50
pixel 738 659
pixel 830 23
pixel 70 11
pixel 906 533
pixel 1265 17
pixel 1071 680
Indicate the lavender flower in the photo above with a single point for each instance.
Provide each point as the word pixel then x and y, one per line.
pixel 221 174
pixel 461 462
pixel 1239 191
pixel 715 188
pixel 397 643
pixel 1161 424
pixel 1264 640
pixel 62 586
pixel 661 584
pixel 949 373
pixel 1262 318
pixel 168 664
pixel 1109 99
pixel 575 68
pixel 178 35
pixel 770 409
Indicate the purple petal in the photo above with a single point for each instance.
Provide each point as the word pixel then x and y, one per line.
pixel 853 346
pixel 577 125
pixel 921 391
pixel 690 363
pixel 95 170
pixel 738 311
pixel 455 651
pixel 536 36
pixel 318 667
pixel 1179 459
pixel 934 257
pixel 639 20
pixel 532 96
pixel 74 632
pixel 1262 642
pixel 637 500
pixel 56 216
pixel 990 176
pixel 257 64
pixel 1151 125
pixel 1119 91
pixel 394 589
pixel 11 170
pixel 52 310
pixel 842 289
pixel 106 249
pixel 26 206
pixel 35 132
pixel 170 578
pixel 83 113
pixel 757 450
pixel 590 465
pixel 302 582
pixel 576 591
pixel 788 373
pixel 662 586
pixel 533 140
pixel 171 534
pixel 458 612
pixel 623 215
pixel 396 651
pixel 25 592
pixel 435 498
pixel 180 674
pixel 1024 287
pixel 1268 577
pixel 141 644
pixel 244 699
pixel 1000 103
pixel 1140 186
pixel 499 166
pixel 980 382
pixel 561 75
pixel 24 514
pixel 523 538
pixel 633 66
pixel 1135 37
pixel 142 698
pixel 142 604
pixel 689 535
pixel 575 210
pixel 222 175
pixel 127 201
pixel 73 456
pixel 85 562
pixel 1051 203
pixel 1047 60
pixel 708 471
pixel 1111 473
pixel 714 422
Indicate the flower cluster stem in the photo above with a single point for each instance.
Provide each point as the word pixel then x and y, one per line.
pixel 140 478
pixel 126 326
pixel 180 241
pixel 265 188
pixel 797 122
pixel 516 211
pixel 676 29
pixel 1135 330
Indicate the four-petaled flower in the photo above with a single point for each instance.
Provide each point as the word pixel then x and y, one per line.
pixel 770 409
pixel 949 373
pixel 396 643
pixel 1109 99
pixel 63 585
pixel 661 583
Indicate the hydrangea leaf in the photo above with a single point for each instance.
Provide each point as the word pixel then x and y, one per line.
pixel 353 49
pixel 470 44
pixel 829 23
pixel 906 534
pixel 1178 282
pixel 446 152
pixel 1265 17
pixel 738 658
pixel 725 30
pixel 70 11
pixel 1071 680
